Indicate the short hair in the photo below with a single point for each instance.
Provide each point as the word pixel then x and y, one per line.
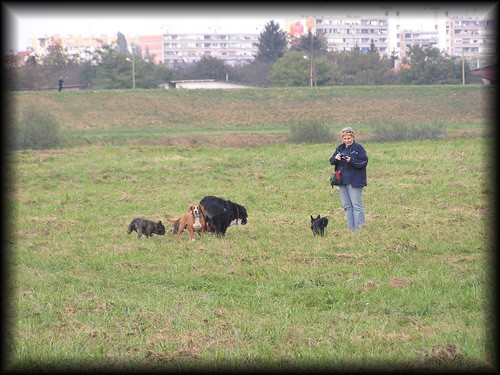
pixel 347 130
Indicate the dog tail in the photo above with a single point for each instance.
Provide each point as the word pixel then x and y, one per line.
pixel 172 220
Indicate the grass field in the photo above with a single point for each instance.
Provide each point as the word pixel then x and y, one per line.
pixel 255 116
pixel 412 290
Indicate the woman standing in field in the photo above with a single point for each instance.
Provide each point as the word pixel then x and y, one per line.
pixel 351 158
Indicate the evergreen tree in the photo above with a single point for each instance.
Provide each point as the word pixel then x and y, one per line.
pixel 272 43
pixel 121 43
pixel 319 43
pixel 394 57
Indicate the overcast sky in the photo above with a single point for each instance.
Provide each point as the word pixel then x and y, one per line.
pixel 26 21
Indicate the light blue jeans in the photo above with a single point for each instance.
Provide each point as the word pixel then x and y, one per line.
pixel 353 206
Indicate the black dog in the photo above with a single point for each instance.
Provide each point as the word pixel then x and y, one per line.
pixel 318 225
pixel 222 213
pixel 147 227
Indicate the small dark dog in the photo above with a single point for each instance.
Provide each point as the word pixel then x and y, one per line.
pixel 146 227
pixel 318 225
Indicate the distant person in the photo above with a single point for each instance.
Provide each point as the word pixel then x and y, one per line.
pixel 60 83
pixel 350 157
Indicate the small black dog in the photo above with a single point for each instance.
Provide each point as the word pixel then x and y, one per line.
pixel 147 227
pixel 318 225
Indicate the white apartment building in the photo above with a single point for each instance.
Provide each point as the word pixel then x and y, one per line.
pixel 472 38
pixel 232 48
pixel 343 33
pixel 75 47
pixel 470 35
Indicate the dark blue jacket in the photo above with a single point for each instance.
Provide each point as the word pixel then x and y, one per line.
pixel 354 172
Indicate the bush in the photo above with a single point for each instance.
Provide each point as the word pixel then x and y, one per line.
pixel 35 129
pixel 314 131
pixel 392 131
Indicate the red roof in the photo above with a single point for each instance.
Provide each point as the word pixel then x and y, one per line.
pixel 23 53
pixel 487 72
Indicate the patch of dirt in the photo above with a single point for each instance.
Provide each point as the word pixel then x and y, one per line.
pixel 369 285
pixel 230 140
pixel 399 283
pixel 130 265
pixel 440 355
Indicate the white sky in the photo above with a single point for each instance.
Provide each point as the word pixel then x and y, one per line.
pixel 32 20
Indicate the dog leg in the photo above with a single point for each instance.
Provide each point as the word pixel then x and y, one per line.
pixel 182 225
pixel 191 234
pixel 179 232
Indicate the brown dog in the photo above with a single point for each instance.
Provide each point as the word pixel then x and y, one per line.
pixel 193 220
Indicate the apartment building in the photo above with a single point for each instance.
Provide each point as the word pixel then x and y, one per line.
pixel 75 47
pixel 407 38
pixel 231 48
pixel 344 33
pixel 151 47
pixel 472 36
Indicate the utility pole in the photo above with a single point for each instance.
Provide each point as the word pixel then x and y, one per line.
pixel 133 69
pixel 463 68
pixel 311 59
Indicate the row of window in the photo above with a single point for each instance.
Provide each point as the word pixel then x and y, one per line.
pixel 473 41
pixel 354 40
pixel 466 32
pixel 382 50
pixel 168 54
pixel 210 45
pixel 353 22
pixel 459 50
pixel 473 23
pixel 353 31
pixel 209 37
pixel 419 35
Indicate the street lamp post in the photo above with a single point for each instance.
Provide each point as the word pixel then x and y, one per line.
pixel 311 56
pixel 311 62
pixel 133 70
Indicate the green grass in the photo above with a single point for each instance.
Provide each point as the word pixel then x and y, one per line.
pixel 411 290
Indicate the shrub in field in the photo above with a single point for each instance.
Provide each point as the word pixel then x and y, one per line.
pixel 312 131
pixel 395 131
pixel 35 129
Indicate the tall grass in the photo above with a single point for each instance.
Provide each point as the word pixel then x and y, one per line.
pixel 391 131
pixel 310 131
pixel 410 291
pixel 33 128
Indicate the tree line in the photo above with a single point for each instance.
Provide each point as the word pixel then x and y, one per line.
pixel 279 61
